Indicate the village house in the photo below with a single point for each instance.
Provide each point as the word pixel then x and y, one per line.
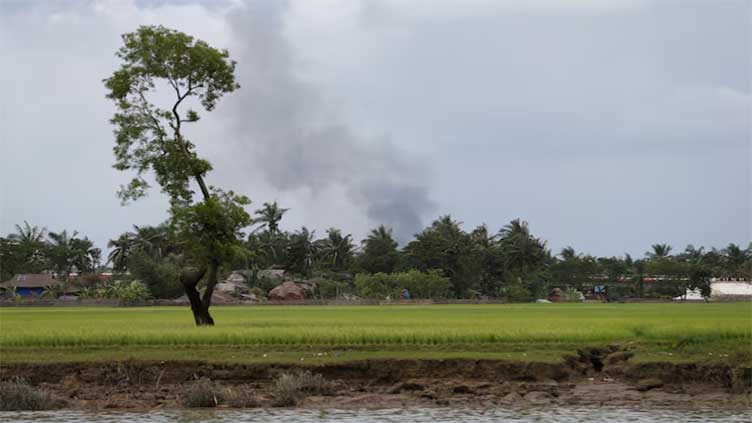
pixel 30 284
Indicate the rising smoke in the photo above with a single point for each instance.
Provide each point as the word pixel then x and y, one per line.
pixel 285 130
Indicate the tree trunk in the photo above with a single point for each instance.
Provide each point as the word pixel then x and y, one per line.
pixel 199 307
pixel 200 311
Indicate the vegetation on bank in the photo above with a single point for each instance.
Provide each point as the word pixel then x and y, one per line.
pixel 248 333
pixel 18 395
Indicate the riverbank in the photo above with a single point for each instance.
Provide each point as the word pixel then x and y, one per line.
pixel 385 356
pixel 593 376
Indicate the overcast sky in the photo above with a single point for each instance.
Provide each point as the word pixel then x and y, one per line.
pixel 608 125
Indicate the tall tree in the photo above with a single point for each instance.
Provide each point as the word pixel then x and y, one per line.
pixel 445 246
pixel 61 251
pixel 523 252
pixel 380 254
pixel 28 234
pixel 119 252
pixel 269 216
pixel 336 251
pixel 734 258
pixel 25 251
pixel 301 252
pixel 152 139
pixel 659 251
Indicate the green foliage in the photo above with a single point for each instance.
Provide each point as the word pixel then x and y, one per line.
pixel 301 252
pixel 331 289
pixel 67 251
pixel 377 286
pixel 430 284
pixel 161 276
pixel 573 270
pixel 212 229
pixel 522 252
pixel 572 295
pixel 380 254
pixel 516 292
pixel 150 138
pixel 269 217
pixel 127 292
pixel 335 252
pixel 446 247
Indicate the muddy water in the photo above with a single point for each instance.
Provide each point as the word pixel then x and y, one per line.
pixel 432 415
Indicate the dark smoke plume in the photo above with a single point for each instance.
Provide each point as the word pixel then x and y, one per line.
pixel 285 130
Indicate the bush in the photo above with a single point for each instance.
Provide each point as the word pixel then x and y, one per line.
pixel 516 292
pixel 326 288
pixel 291 388
pixel 126 292
pixel 420 285
pixel 161 276
pixel 17 395
pixel 241 397
pixel 203 393
pixel 430 284
pixel 572 295
pixel 378 285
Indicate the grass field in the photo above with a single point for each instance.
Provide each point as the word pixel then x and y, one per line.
pixel 534 331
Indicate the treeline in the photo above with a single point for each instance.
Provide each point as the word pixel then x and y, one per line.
pixel 35 250
pixel 442 261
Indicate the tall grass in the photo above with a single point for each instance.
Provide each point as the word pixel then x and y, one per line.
pixel 377 325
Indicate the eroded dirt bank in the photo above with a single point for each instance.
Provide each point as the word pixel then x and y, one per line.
pixel 593 377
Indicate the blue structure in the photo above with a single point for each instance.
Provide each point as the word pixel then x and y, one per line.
pixel 28 285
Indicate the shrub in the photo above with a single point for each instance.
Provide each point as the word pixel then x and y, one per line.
pixel 572 295
pixel 516 292
pixel 203 393
pixel 429 284
pixel 127 292
pixel 291 388
pixel 378 285
pixel 17 395
pixel 241 397
pixel 326 288
pixel 161 276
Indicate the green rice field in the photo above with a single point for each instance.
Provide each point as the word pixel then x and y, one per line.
pixel 688 330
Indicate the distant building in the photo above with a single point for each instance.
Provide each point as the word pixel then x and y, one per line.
pixel 27 285
pixel 722 289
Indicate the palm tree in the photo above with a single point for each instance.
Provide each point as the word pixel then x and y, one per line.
pixel 301 252
pixel 336 250
pixel 151 240
pixel 269 216
pixel 523 252
pixel 120 249
pixel 28 234
pixel 62 252
pixel 659 251
pixel 379 251
pixel 381 235
pixel 568 253
pixel 734 258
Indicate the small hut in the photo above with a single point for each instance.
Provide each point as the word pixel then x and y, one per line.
pixel 30 284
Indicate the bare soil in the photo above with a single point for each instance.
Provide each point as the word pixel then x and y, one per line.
pixel 597 376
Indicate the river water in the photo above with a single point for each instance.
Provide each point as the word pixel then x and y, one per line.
pixel 432 415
